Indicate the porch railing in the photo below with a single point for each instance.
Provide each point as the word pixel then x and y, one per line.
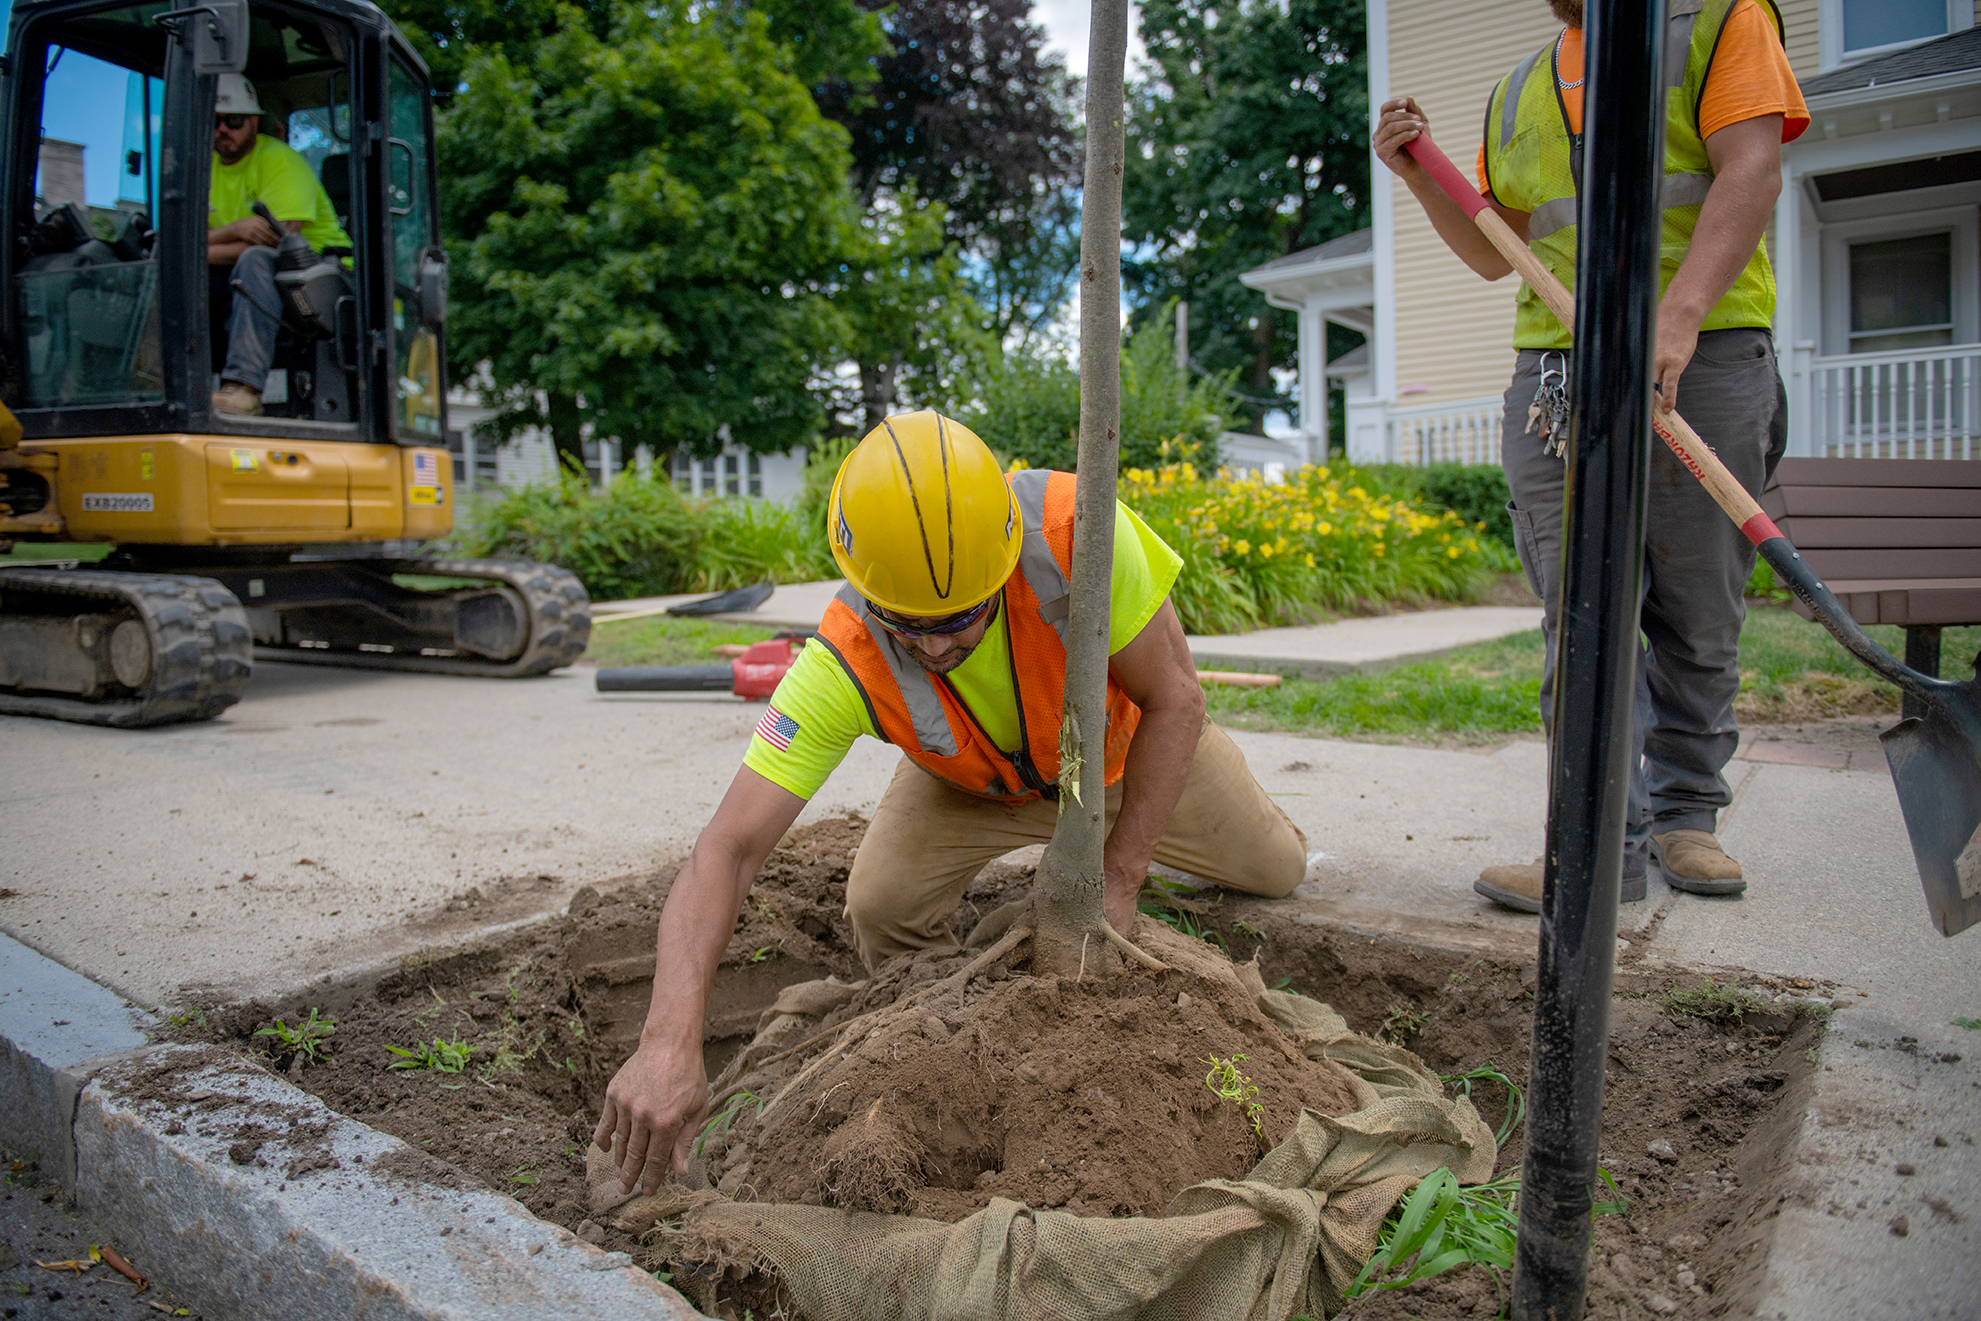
pixel 1464 432
pixel 1905 404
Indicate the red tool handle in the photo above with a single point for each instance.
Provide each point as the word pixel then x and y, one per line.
pixel 1675 431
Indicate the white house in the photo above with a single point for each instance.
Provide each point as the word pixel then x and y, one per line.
pixel 1875 242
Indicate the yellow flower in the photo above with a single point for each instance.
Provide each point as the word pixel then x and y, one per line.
pixel 1242 548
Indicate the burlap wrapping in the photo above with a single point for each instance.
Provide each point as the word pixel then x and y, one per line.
pixel 1287 1239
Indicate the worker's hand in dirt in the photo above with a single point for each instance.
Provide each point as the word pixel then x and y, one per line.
pixel 1121 887
pixel 654 1107
pixel 1678 337
pixel 1402 120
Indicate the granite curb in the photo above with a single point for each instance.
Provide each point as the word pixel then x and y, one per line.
pixel 249 1198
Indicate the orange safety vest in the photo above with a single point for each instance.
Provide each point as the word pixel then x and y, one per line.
pixel 925 717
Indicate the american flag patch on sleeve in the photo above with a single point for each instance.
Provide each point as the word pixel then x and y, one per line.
pixel 777 729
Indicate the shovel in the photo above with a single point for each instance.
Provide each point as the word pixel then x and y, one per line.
pixel 1935 756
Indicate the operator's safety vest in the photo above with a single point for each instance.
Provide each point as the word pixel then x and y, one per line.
pixel 923 715
pixel 1533 164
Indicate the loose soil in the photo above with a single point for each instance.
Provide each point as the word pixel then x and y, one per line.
pixel 1053 1093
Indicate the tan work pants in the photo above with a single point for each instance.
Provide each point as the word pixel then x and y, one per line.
pixel 928 842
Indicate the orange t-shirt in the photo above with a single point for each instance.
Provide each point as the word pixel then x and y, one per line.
pixel 1749 78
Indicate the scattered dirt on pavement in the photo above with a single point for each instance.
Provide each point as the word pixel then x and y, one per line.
pixel 1705 1089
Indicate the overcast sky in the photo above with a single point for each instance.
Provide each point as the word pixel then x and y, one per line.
pixel 1066 22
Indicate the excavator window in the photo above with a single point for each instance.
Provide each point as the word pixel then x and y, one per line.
pixel 87 290
pixel 415 241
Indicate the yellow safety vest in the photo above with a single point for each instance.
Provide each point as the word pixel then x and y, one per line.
pixel 1533 162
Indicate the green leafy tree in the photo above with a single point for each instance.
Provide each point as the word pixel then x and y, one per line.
pixel 967 111
pixel 643 224
pixel 910 322
pixel 1247 141
pixel 1028 404
pixel 830 40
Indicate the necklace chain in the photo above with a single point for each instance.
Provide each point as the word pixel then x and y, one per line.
pixel 1566 87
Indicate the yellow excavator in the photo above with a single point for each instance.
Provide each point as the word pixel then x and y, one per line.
pixel 290 534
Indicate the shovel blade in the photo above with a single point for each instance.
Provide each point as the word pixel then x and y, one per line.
pixel 1937 770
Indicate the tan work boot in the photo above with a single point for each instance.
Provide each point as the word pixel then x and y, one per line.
pixel 1516 886
pixel 1693 861
pixel 237 400
pixel 1519 886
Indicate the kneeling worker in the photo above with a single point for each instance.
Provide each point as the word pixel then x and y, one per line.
pixel 947 642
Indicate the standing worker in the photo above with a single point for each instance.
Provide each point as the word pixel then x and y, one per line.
pixel 249 167
pixel 947 641
pixel 1731 103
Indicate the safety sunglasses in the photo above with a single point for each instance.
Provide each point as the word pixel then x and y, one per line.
pixel 234 121
pixel 958 623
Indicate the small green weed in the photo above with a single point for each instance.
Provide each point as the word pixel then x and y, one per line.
pixel 1971 1024
pixel 1443 1225
pixel 1401 1022
pixel 310 1037
pixel 1516 1101
pixel 725 1119
pixel 577 1026
pixel 1233 1088
pixel 522 1175
pixel 1715 1002
pixel 1242 925
pixel 190 1018
pixel 438 1055
pixel 764 953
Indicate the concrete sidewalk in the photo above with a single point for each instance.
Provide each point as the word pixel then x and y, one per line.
pixel 336 817
pixel 1316 651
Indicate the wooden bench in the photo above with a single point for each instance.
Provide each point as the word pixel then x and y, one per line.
pixel 1897 540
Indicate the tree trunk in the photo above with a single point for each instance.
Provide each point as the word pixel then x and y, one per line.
pixel 1067 895
pixel 567 432
pixel 879 389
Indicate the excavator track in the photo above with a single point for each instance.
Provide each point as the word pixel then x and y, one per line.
pixel 556 612
pixel 62 656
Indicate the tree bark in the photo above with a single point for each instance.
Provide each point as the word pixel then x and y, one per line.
pixel 1071 924
pixel 567 431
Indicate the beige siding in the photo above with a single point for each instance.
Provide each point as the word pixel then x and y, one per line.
pixel 1799 36
pixel 1453 330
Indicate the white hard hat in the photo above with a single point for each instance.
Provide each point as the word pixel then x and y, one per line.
pixel 237 96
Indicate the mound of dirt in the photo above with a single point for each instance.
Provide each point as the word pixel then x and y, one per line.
pixel 1087 1093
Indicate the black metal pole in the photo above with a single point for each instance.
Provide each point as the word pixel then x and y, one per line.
pixel 1616 296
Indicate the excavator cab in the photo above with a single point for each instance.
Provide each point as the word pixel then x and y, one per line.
pixel 288 520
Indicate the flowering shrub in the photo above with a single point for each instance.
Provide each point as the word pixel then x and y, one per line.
pixel 1255 555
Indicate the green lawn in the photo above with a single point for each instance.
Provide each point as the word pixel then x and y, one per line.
pixel 1791 669
pixel 660 640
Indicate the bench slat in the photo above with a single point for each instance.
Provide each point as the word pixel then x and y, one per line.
pixel 1910 604
pixel 1871 502
pixel 1878 472
pixel 1962 562
pixel 1882 533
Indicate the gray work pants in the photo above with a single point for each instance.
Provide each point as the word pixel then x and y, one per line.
pixel 1696 565
pixel 253 318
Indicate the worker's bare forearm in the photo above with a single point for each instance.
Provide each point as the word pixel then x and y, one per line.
pixel 694 931
pixel 1731 223
pixel 1456 228
pixel 225 252
pixel 1152 780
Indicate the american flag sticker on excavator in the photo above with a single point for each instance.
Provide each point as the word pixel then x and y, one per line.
pixel 777 729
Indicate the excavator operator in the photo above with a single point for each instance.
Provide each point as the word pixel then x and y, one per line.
pixel 947 641
pixel 250 167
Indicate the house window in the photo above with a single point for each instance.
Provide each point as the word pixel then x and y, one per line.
pixel 730 484
pixel 756 473
pixel 1869 24
pixel 1901 293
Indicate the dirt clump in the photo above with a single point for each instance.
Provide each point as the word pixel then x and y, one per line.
pixel 1086 1093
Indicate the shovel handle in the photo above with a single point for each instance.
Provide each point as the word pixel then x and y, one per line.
pixel 1680 438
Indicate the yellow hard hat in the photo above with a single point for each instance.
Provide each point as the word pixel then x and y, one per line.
pixel 921 520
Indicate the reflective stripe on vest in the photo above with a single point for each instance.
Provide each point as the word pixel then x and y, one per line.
pixel 925 717
pixel 1529 168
